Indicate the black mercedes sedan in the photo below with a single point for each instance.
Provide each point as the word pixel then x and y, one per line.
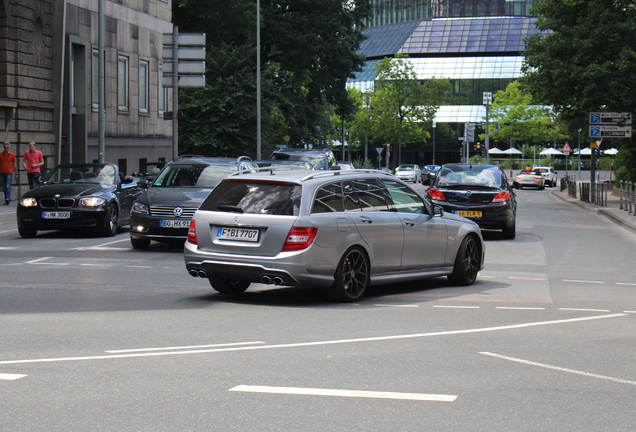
pixel 479 192
pixel 92 196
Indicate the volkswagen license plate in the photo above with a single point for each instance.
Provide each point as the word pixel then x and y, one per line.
pixel 242 234
pixel 175 223
pixel 469 213
pixel 56 214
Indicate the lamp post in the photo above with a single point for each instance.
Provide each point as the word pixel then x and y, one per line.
pixel 487 101
pixel 258 79
pixel 434 127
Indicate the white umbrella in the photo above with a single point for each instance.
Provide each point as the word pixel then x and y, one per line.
pixel 512 150
pixel 551 151
pixel 610 152
pixel 495 150
pixel 584 152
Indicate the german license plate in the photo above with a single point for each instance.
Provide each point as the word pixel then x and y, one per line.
pixel 174 223
pixel 469 213
pixel 242 234
pixel 56 214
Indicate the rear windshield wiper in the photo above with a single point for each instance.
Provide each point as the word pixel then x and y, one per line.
pixel 230 208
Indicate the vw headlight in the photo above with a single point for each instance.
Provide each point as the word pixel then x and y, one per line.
pixel 140 208
pixel 28 202
pixel 92 202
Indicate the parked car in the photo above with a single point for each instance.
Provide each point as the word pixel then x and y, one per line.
pixel 549 174
pixel 429 172
pixel 339 231
pixel 409 172
pixel 150 170
pixel 288 163
pixel 479 192
pixel 164 209
pixel 345 165
pixel 319 159
pixel 529 178
pixel 93 196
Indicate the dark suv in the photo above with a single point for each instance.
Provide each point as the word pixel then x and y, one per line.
pixel 319 159
pixel 164 210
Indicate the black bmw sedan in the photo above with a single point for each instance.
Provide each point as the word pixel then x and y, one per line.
pixel 93 196
pixel 479 192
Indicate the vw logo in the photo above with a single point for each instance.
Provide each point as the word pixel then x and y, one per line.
pixel 237 220
pixel 178 211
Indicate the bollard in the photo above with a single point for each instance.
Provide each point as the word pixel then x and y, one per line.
pixel 620 195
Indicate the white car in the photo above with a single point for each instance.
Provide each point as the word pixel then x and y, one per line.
pixel 410 172
pixel 549 174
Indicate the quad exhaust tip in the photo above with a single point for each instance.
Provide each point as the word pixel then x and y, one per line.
pixel 198 273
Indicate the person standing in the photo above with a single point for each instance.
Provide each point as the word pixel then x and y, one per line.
pixel 32 162
pixel 8 166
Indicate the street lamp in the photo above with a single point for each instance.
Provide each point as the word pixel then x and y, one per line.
pixel 434 127
pixel 487 101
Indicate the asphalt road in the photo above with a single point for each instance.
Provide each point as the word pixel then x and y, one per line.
pixel 97 336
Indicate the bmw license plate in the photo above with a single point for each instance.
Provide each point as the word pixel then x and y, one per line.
pixel 242 234
pixel 56 214
pixel 469 213
pixel 174 223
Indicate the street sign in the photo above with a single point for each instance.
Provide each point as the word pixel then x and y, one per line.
pixel 185 52
pixel 379 150
pixel 610 118
pixel 194 39
pixel 189 67
pixel 185 80
pixel 566 148
pixel 610 131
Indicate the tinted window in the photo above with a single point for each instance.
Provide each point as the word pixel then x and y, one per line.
pixel 179 175
pixel 254 197
pixel 451 175
pixel 352 203
pixel 212 175
pixel 404 199
pixel 371 194
pixel 328 199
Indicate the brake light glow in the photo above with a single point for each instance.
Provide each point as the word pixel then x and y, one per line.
pixel 501 196
pixel 299 238
pixel 436 194
pixel 192 233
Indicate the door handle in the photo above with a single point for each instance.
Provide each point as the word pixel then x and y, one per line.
pixel 409 222
pixel 366 220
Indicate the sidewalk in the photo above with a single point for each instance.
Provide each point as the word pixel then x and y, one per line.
pixel 611 211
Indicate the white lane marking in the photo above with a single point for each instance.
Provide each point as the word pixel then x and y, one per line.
pixel 584 310
pixel 629 312
pixel 319 343
pixel 102 246
pixel 8 231
pixel 7 248
pixel 36 261
pixel 583 281
pixel 398 306
pixel 139 266
pixel 526 278
pixel 183 347
pixel 487 277
pixel 10 377
pixel 547 366
pixel 345 393
pixel 519 308
pixel 96 265
pixel 456 307
pixel 625 283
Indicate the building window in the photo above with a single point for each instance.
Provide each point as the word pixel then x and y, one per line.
pixel 122 83
pixel 95 79
pixel 162 91
pixel 144 68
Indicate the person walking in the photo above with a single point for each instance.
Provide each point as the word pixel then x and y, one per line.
pixel 8 167
pixel 32 162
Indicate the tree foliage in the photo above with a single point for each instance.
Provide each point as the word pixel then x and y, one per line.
pixel 585 61
pixel 308 51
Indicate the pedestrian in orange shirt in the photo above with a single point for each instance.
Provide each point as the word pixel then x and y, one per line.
pixel 32 162
pixel 8 166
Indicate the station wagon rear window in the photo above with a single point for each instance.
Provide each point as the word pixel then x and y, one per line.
pixel 254 197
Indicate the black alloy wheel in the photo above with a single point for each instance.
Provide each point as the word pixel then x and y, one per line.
pixel 229 287
pixel 467 262
pixel 110 221
pixel 352 276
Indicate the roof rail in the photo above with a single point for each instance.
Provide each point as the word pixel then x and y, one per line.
pixel 338 172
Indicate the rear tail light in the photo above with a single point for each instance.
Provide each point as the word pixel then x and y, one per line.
pixel 501 196
pixel 299 238
pixel 192 233
pixel 436 194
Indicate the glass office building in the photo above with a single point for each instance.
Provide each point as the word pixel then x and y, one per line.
pixel 477 44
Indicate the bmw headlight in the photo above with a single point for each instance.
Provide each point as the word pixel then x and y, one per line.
pixel 140 208
pixel 91 202
pixel 28 202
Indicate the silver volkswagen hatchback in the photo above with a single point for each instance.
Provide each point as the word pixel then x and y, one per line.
pixel 337 230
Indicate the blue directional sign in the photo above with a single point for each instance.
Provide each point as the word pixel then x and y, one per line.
pixel 610 131
pixel 610 118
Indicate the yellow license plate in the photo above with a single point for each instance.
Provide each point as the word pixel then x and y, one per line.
pixel 468 213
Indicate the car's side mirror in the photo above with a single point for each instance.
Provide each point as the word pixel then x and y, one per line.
pixel 143 183
pixel 438 211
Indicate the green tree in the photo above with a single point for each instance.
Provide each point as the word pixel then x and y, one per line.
pixel 520 120
pixel 308 51
pixel 585 61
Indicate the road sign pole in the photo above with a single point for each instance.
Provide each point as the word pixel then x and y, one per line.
pixel 175 92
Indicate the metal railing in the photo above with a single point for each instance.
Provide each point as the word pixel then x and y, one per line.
pixel 627 200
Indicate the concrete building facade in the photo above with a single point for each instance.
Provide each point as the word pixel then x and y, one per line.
pixel 49 80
